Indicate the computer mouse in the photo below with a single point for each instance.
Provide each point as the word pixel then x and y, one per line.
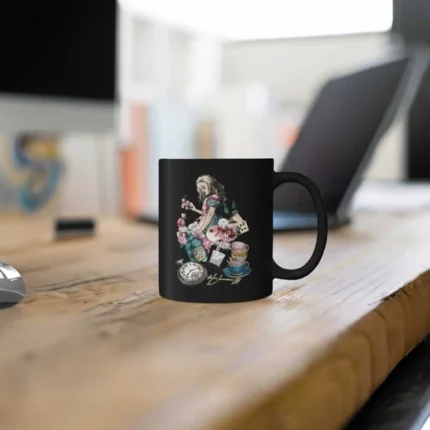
pixel 12 286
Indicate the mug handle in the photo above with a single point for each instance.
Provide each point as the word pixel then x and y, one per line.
pixel 322 231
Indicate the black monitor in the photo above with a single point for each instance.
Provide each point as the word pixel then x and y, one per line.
pixel 411 24
pixel 418 134
pixel 58 64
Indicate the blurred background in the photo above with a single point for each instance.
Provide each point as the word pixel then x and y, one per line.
pixel 92 94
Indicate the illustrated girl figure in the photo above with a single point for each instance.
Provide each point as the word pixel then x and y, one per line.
pixel 213 198
pixel 213 224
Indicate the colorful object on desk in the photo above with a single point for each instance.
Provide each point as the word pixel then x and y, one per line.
pixel 164 129
pixel 134 163
pixel 33 166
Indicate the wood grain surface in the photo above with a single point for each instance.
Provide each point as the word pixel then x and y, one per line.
pixel 94 347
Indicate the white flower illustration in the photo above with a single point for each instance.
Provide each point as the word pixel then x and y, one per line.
pixel 223 222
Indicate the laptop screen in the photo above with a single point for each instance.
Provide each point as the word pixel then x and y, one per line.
pixel 337 133
pixel 411 20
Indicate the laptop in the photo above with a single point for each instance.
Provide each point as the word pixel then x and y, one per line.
pixel 338 138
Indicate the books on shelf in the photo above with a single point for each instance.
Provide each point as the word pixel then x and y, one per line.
pixel 166 129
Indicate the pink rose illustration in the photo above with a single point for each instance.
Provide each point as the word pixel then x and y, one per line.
pixel 206 244
pixel 214 234
pixel 180 222
pixel 181 238
pixel 229 233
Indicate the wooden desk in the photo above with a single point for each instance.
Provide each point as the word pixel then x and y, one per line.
pixel 94 347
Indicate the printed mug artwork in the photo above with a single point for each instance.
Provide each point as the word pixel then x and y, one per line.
pixel 213 244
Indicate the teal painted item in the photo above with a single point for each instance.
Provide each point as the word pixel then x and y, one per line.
pixel 195 249
pixel 48 172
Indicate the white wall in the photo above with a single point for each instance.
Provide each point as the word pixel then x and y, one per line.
pixel 294 69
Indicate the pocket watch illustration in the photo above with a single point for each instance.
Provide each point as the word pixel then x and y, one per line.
pixel 191 273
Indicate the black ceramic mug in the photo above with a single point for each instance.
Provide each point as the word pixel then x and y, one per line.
pixel 216 229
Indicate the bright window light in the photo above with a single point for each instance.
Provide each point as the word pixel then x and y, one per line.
pixel 426 425
pixel 270 19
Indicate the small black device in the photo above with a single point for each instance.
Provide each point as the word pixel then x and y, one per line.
pixel 216 229
pixel 338 139
pixel 67 228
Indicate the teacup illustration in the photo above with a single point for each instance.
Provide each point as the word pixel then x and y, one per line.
pixel 239 247
pixel 238 254
pixel 237 270
pixel 237 259
pixel 239 250
pixel 236 262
